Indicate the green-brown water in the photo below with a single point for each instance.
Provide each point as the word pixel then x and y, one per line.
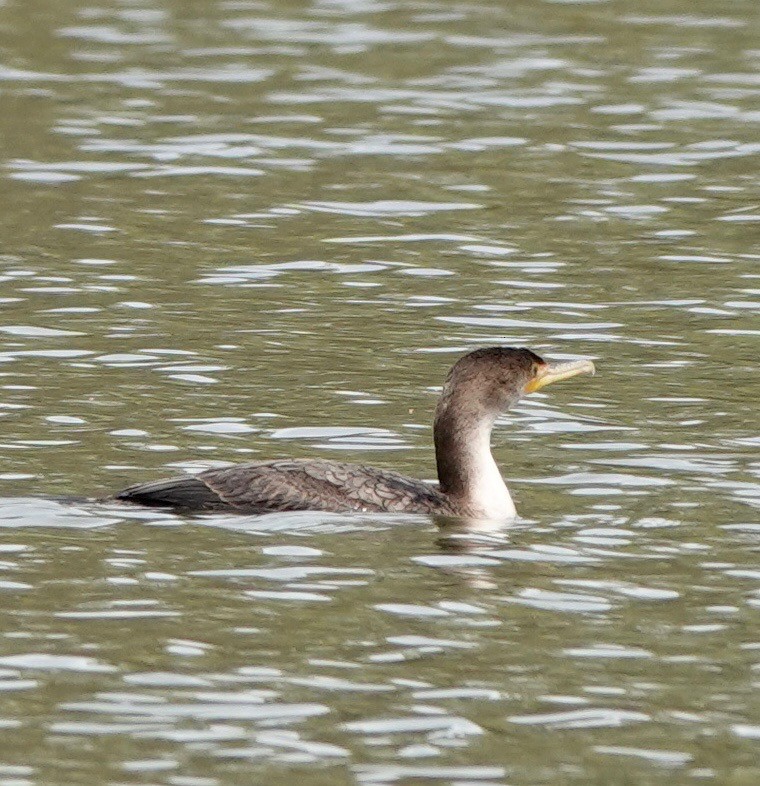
pixel 256 229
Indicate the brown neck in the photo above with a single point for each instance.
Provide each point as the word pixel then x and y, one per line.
pixel 467 473
pixel 462 435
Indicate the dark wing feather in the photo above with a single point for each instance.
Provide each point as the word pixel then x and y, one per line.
pixel 185 493
pixel 260 487
pixel 263 487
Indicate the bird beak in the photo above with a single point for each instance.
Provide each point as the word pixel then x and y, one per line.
pixel 556 373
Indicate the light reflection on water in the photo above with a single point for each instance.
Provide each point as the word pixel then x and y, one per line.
pixel 255 230
pixel 305 638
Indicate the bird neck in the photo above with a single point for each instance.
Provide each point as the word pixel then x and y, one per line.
pixel 467 472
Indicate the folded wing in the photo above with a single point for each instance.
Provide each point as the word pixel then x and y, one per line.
pixel 263 487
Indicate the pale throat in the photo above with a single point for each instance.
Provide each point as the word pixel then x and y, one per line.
pixel 488 494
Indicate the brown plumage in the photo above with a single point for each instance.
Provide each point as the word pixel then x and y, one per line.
pixel 292 484
pixel 478 388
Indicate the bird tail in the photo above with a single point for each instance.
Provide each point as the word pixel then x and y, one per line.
pixel 188 493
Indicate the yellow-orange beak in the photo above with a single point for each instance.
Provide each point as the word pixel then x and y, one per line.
pixel 556 373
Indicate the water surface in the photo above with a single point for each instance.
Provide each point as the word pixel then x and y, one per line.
pixel 240 230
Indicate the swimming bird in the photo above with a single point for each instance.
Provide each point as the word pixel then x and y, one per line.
pixel 479 387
